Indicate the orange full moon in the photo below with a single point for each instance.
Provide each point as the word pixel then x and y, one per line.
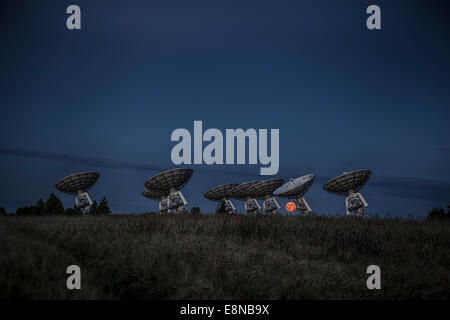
pixel 290 206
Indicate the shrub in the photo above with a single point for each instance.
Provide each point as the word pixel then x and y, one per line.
pixel 221 208
pixel 103 207
pixel 195 210
pixel 53 205
pixel 437 214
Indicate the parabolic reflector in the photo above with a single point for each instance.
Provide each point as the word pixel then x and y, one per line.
pixel 154 194
pixel 241 191
pixel 175 178
pixel 166 186
pixel 264 188
pixel 295 188
pixel 347 182
pixel 75 183
pixel 221 192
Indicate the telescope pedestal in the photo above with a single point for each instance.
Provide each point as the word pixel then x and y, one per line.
pixel 176 202
pixel 228 205
pixel 271 206
pixel 84 202
pixel 163 205
pixel 355 204
pixel 303 206
pixel 252 206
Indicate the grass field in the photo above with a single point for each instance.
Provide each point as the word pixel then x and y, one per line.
pixel 154 256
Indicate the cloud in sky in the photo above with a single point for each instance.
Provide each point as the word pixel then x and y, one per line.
pixel 412 188
pixel 444 149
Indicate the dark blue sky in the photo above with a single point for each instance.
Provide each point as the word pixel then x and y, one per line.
pixel 343 97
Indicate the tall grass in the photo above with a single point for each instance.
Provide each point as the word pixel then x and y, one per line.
pixel 154 256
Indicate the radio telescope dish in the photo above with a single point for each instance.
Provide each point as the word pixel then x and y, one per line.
pixel 170 182
pixel 154 194
pixel 72 184
pixel 160 195
pixel 348 184
pixel 264 190
pixel 221 194
pixel 175 178
pixel 78 184
pixel 242 192
pixel 296 189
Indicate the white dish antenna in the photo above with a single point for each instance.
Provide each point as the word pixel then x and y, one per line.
pixel 78 184
pixel 349 184
pixel 169 184
pixel 221 194
pixel 296 189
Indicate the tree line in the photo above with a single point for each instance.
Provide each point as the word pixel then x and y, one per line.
pixel 54 206
pixel 439 213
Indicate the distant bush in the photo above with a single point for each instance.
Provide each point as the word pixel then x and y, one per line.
pixel 2 211
pixel 75 211
pixel 438 214
pixel 101 209
pixel 40 208
pixel 53 205
pixel 25 211
pixel 221 208
pixel 195 210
